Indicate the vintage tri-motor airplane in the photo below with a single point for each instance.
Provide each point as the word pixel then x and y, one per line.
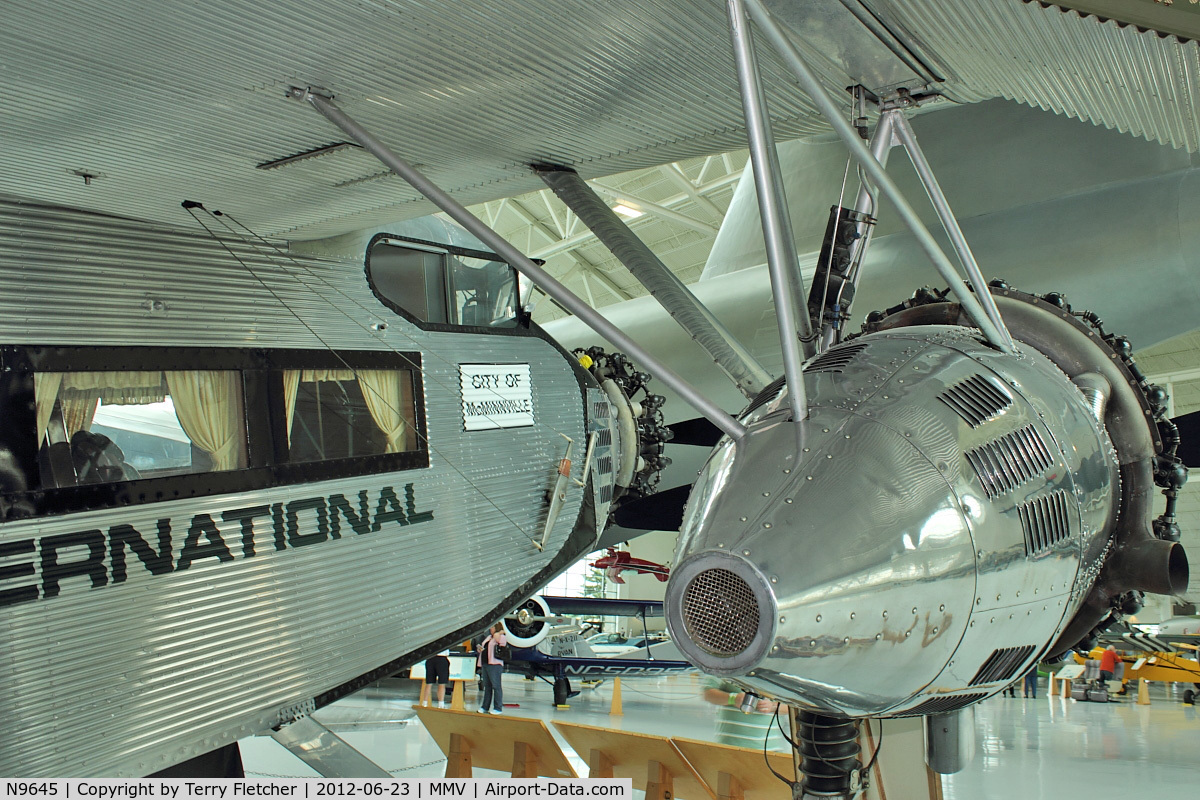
pixel 894 522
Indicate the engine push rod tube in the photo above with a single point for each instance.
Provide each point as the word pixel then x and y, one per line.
pixel 568 299
pixel 705 329
pixel 904 133
pixel 808 82
pixel 782 264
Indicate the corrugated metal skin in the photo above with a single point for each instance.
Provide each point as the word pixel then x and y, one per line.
pixel 179 101
pixel 126 679
pixel 1137 82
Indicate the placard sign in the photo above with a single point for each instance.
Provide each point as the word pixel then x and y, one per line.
pixel 496 396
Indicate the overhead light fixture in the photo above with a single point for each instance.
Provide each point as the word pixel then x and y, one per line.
pixel 625 210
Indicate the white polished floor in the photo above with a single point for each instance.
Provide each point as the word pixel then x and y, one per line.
pixel 1041 749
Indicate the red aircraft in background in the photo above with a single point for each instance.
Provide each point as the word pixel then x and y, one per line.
pixel 618 561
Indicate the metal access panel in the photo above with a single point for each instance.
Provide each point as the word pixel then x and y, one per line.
pixel 292 594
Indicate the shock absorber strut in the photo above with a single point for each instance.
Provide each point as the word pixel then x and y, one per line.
pixel 829 747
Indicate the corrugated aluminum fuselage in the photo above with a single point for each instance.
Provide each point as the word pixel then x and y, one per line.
pixel 129 677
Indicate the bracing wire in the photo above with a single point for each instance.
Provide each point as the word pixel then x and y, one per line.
pixel 346 364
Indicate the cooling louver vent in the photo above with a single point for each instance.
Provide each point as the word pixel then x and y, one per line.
pixel 835 360
pixel 943 705
pixel 604 438
pixel 977 399
pixel 604 465
pixel 1011 460
pixel 720 612
pixel 606 493
pixel 1002 665
pixel 1045 521
pixel 601 409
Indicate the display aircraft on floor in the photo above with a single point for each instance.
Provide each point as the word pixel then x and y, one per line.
pixel 548 640
pixel 274 562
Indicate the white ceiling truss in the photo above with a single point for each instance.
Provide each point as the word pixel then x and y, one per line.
pixel 682 205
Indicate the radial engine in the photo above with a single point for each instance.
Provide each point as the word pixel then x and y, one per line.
pixel 945 518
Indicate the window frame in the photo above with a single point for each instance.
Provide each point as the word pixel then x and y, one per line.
pixel 520 318
pixel 264 423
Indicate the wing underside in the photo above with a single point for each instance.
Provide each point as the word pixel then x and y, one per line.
pixel 130 108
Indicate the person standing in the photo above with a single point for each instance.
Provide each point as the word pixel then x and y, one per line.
pixel 437 672
pixel 1031 682
pixel 491 670
pixel 1108 663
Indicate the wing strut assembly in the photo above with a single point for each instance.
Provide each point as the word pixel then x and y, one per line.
pixel 707 331
pixel 989 324
pixel 787 286
pixel 519 261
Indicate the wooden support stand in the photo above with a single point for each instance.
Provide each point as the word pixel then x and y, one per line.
pixel 659 783
pixel 739 773
pixel 458 757
pixel 458 701
pixel 616 710
pixel 1066 688
pixel 1143 696
pixel 652 763
pixel 1053 685
pixel 728 787
pixel 521 746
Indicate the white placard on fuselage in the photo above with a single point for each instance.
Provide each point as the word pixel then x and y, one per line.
pixel 496 396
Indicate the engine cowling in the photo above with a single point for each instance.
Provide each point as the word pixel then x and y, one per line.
pixel 945 515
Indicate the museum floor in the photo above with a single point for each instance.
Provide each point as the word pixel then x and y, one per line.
pixel 1031 749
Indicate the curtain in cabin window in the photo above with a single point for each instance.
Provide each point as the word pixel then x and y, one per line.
pixel 206 403
pixel 381 389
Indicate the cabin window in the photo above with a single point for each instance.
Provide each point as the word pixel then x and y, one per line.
pixel 449 286
pixel 102 427
pixel 343 413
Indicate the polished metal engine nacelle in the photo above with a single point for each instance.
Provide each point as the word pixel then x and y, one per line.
pixel 919 541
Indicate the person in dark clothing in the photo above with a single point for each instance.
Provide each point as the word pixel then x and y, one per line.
pixel 437 673
pixel 1011 690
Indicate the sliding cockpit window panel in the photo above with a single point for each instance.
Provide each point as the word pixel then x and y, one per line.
pixel 141 437
pixel 443 287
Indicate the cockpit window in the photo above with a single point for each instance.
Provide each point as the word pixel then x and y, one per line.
pixel 445 285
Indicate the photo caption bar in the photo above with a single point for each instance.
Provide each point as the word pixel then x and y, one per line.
pixel 367 788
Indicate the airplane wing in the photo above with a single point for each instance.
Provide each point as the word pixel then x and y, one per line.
pixel 606 607
pixel 130 108
pixel 1151 643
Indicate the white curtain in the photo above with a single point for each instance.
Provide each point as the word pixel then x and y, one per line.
pixel 78 413
pixel 291 387
pixel 45 390
pixel 382 390
pixel 115 388
pixel 206 403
